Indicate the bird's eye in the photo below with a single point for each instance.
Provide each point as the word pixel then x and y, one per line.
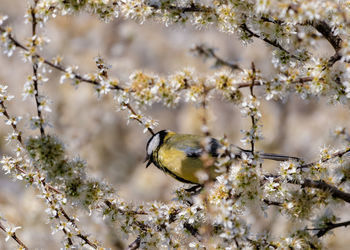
pixel 153 144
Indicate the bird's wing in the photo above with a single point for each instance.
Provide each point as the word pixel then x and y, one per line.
pixel 191 145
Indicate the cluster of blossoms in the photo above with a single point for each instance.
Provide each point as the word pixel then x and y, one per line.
pixel 292 29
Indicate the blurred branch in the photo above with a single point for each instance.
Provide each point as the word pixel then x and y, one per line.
pixel 135 244
pixel 328 227
pixel 193 7
pixel 207 52
pixel 327 32
pixel 322 185
pixel 272 203
pixel 334 40
pixel 318 184
pixel 330 157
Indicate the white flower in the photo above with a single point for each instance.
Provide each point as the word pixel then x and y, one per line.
pixel 68 74
pixel 11 232
pixel 3 19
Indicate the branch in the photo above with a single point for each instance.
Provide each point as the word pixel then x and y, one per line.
pixel 318 184
pixel 45 185
pixel 76 76
pixel 135 244
pixel 209 53
pixel 35 69
pixel 334 40
pixel 252 117
pixel 245 28
pixel 328 227
pixel 14 236
pixel 330 157
pixel 322 185
pixel 301 80
pixel 272 203
pixel 191 8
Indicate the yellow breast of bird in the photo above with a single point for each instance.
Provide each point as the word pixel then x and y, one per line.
pixel 184 167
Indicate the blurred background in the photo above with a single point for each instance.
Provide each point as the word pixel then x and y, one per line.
pixel 114 150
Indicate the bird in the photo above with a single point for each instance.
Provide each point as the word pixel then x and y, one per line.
pixel 179 155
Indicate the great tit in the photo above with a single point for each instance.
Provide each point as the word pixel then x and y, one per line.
pixel 179 155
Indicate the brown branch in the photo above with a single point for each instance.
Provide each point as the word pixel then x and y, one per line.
pixel 272 203
pixel 318 184
pixel 209 53
pixel 252 117
pixel 14 237
pixel 127 105
pixel 187 9
pixel 322 185
pixel 80 235
pixel 117 87
pixel 334 40
pixel 245 28
pixel 301 80
pixel 14 126
pixel 135 244
pixel 45 185
pixel 35 70
pixel 76 76
pixel 328 227
pixel 335 155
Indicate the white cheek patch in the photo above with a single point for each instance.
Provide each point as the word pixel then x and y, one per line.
pixel 153 144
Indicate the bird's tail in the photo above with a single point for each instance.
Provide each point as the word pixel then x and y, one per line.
pixel 277 157
pixel 274 157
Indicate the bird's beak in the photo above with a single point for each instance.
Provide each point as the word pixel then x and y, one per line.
pixel 149 159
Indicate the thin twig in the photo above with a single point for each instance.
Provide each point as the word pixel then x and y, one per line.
pixel 127 105
pixel 244 27
pixel 35 70
pixel 209 53
pixel 301 80
pixel 15 237
pixel 252 117
pixel 335 155
pixel 76 76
